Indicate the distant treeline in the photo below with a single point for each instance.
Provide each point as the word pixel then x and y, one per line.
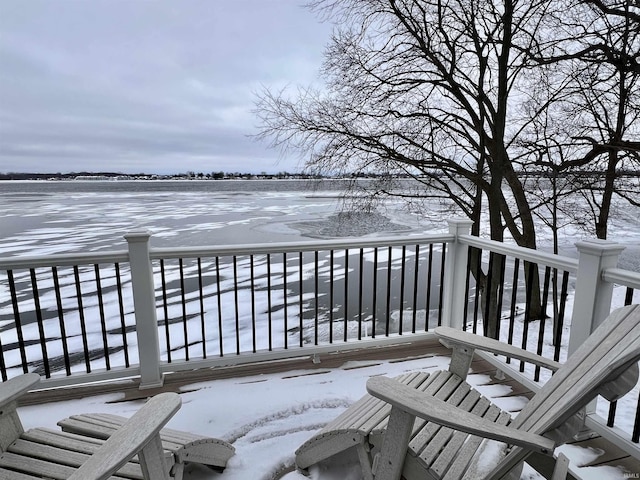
pixel 259 176
pixel 580 173
pixel 178 176
pixel 141 176
pixel 55 176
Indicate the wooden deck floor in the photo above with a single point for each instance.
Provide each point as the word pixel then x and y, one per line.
pixel 180 382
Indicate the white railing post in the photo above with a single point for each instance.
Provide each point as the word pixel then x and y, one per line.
pixel 592 302
pixel 144 302
pixel 453 295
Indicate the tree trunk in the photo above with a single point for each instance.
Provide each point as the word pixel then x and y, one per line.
pixel 602 221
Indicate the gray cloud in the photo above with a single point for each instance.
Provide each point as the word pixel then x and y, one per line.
pixel 146 86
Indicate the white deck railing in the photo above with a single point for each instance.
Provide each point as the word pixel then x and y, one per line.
pixel 145 311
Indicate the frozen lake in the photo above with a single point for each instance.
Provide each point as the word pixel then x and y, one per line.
pixel 51 217
pixel 39 218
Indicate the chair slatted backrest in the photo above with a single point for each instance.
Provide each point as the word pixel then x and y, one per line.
pixel 610 351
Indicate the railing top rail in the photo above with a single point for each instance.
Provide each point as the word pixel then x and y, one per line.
pixel 527 254
pixel 63 260
pixel 71 259
pixel 306 246
pixel 622 277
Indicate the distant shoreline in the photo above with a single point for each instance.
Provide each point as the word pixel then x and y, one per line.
pixel 190 176
pixel 171 179
pixel 220 176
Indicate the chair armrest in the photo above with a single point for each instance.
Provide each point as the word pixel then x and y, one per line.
pixel 451 336
pixel 434 410
pixel 15 387
pixel 132 438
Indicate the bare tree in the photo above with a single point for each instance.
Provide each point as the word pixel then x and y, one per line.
pixel 597 49
pixel 612 108
pixel 439 91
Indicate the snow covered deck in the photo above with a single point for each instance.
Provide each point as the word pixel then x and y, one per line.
pixel 267 410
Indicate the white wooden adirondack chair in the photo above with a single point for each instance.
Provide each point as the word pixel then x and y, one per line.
pixel 433 426
pixel 184 447
pixel 22 458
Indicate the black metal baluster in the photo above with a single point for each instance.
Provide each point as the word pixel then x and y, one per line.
pixel 558 327
pixel 635 436
pixel 236 302
pixel 387 328
pixel 165 309
pixel 63 331
pixel 123 326
pixel 184 310
pixel 285 297
pixel 103 320
pixel 17 320
pixel 316 296
pixel 3 365
pixel 269 314
pixel 220 337
pixel 402 274
pixel 628 296
pixel 416 278
pixel 331 294
pixel 611 418
pixel 443 259
pixel 300 294
pixel 488 293
pixel 360 296
pixel 545 298
pixel 514 299
pixel 476 305
pixel 253 303
pixel 202 320
pixel 467 290
pixel 346 292
pixel 503 266
pixel 83 326
pixel 527 309
pixel 40 321
pixel 428 295
pixel 374 300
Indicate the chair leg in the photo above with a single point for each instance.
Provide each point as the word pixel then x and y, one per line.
pixel 561 469
pixel 365 462
pixel 390 461
pixel 152 460
pixel 177 471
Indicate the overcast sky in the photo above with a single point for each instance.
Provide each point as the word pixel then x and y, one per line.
pixel 147 86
